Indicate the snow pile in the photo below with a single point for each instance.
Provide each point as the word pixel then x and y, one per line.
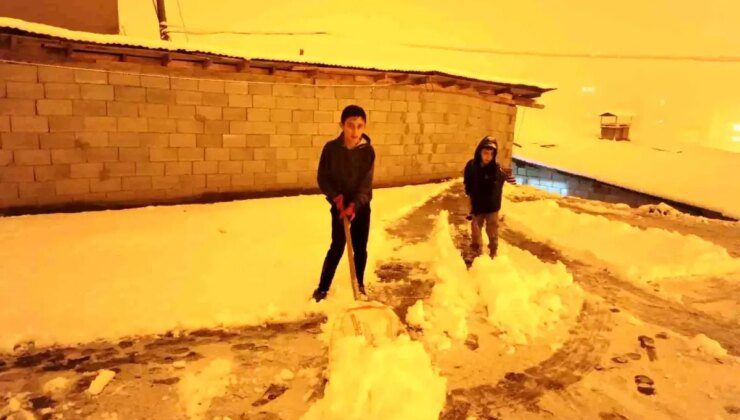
pixel 454 295
pixel 593 206
pixel 664 210
pixel 196 390
pixel 707 346
pixel 14 410
pixel 80 277
pixel 19 408
pixel 57 386
pixel 661 209
pixel 285 375
pixel 639 254
pixel 525 295
pixel 101 381
pixel 519 294
pixel 392 380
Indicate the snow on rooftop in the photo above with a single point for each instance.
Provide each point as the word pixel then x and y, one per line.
pixel 688 174
pixel 322 50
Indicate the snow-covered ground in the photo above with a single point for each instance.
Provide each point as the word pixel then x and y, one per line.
pixel 561 324
pixel 76 278
pixel 544 326
pixel 684 173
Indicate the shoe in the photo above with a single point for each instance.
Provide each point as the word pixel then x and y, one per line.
pixel 319 295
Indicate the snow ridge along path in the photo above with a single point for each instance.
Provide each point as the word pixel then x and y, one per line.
pixel 642 255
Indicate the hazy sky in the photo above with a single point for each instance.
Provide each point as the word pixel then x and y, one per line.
pixel 626 26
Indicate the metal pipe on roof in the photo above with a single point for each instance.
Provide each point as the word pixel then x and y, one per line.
pixel 162 17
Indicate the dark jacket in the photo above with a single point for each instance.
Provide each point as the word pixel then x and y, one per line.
pixel 347 171
pixel 484 184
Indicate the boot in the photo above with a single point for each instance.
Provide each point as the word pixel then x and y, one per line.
pixel 319 295
pixel 493 250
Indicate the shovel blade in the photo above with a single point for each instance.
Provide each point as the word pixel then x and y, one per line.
pixel 375 322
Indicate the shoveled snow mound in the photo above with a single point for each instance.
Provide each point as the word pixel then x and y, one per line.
pixel 639 254
pixel 706 345
pixel 519 294
pixel 57 386
pixel 392 380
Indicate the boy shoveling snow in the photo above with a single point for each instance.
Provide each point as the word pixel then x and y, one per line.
pixel 484 181
pixel 345 176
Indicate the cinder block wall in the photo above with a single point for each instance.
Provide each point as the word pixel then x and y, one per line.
pixel 121 133
pixel 563 183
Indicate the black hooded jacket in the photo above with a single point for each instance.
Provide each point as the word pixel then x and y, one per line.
pixel 347 171
pixel 484 184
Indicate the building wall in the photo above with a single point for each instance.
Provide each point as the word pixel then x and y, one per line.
pixel 563 183
pixel 100 16
pixel 122 133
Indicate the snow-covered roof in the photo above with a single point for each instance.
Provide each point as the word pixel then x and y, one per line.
pixel 684 173
pixel 618 113
pixel 396 64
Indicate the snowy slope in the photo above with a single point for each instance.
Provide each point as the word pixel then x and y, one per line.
pixel 688 174
pixel 72 278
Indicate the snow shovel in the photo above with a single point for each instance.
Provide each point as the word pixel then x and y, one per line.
pixel 373 320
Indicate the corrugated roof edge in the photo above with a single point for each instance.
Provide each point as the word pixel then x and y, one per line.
pixel 122 40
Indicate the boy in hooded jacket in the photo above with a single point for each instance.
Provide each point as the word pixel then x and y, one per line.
pixel 484 181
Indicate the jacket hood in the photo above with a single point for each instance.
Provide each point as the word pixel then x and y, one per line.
pixel 487 142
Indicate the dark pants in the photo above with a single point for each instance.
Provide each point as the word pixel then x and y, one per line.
pixel 359 230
